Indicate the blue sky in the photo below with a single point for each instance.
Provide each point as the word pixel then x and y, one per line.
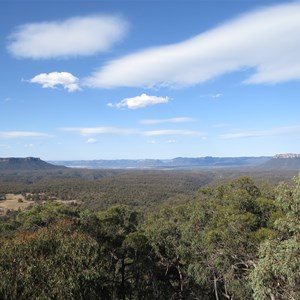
pixel 149 79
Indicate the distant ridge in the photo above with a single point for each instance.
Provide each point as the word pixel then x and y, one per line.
pixel 288 161
pixel 26 164
pixel 287 155
pixel 175 163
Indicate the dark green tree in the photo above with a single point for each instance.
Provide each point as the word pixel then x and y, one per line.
pixel 54 262
pixel 277 273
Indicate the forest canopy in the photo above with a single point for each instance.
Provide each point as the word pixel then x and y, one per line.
pixel 235 240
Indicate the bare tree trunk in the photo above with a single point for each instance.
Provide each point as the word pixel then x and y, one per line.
pixel 123 277
pixel 180 278
pixel 215 287
pixel 272 297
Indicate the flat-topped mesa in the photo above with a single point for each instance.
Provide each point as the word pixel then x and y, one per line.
pixel 32 158
pixel 287 155
pixel 25 164
pixel 18 159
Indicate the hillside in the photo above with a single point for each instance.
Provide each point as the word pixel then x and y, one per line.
pixel 26 164
pixel 282 163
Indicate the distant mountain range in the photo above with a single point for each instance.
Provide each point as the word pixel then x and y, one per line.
pixel 179 162
pixel 26 164
pixel 282 161
pixel 277 162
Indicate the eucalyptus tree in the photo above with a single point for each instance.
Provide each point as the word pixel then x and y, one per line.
pixel 277 273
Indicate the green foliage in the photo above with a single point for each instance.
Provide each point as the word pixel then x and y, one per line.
pixel 223 238
pixel 277 273
pixel 42 215
pixel 56 262
pixel 165 231
pixel 202 249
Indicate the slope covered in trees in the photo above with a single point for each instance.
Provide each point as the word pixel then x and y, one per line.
pixel 100 189
pixel 233 241
pixel 26 164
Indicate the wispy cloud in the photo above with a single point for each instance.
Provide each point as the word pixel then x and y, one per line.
pixel 22 134
pixel 139 102
pixel 263 41
pixel 79 36
pixel 92 131
pixel 171 141
pixel 174 132
pixel 218 95
pixel 151 142
pixel 54 79
pixel 171 120
pixel 91 141
pixel 29 145
pixel 88 131
pixel 282 131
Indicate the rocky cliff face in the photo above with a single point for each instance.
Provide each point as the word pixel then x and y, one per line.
pixel 286 161
pixel 19 159
pixel 287 155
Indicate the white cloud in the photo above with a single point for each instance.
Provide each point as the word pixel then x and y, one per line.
pixel 29 145
pixel 151 142
pixel 79 36
pixel 216 95
pixel 171 120
pixel 171 141
pixel 282 131
pixel 54 79
pixel 264 41
pixel 174 132
pixel 139 102
pixel 91 141
pixel 22 134
pixel 92 131
pixel 87 131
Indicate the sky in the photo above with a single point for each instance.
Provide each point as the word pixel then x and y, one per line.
pixel 121 79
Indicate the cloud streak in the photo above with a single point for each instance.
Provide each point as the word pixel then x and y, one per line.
pixel 282 131
pixel 22 134
pixel 216 96
pixel 79 36
pixel 88 131
pixel 91 131
pixel 51 80
pixel 91 141
pixel 139 102
pixel 263 41
pixel 171 120
pixel 174 132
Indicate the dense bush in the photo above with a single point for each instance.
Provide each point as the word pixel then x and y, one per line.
pixel 233 241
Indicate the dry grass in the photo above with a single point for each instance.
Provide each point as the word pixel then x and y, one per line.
pixel 18 202
pixel 14 202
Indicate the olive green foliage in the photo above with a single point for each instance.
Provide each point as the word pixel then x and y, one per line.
pixel 223 236
pixel 235 240
pixel 277 274
pixel 56 262
pixel 103 189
